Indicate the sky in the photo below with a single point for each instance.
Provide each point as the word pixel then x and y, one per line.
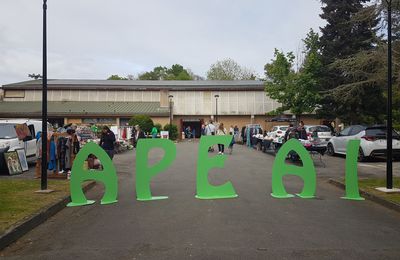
pixel 93 39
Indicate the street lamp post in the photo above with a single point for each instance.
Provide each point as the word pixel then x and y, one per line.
pixel 216 107
pixel 44 101
pixel 389 159
pixel 170 114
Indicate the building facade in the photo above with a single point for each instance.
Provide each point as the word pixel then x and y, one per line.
pixel 114 102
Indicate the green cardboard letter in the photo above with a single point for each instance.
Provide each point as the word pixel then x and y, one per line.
pixel 204 189
pixel 108 176
pixel 144 173
pixel 351 179
pixel 306 172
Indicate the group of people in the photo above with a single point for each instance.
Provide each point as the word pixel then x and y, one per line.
pixel 296 132
pixel 219 129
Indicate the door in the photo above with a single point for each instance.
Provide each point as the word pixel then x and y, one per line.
pixel 30 144
pixel 341 140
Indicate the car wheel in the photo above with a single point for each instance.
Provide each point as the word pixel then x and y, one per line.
pixel 361 156
pixel 330 150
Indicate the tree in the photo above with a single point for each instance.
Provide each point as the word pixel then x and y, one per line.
pixel 296 91
pixel 116 77
pixel 229 69
pixel 173 131
pixel 176 72
pixel 143 121
pixel 346 33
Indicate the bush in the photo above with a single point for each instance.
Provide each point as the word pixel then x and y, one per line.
pixel 159 127
pixel 145 123
pixel 173 134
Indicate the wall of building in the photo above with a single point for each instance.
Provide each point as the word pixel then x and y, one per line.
pixel 184 102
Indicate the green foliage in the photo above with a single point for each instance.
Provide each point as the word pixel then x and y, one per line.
pixel 296 91
pixel 145 122
pixel 348 40
pixel 173 131
pixel 159 127
pixel 229 69
pixel 116 77
pixel 176 72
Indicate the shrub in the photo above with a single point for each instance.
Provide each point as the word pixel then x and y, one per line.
pixel 144 121
pixel 173 134
pixel 159 127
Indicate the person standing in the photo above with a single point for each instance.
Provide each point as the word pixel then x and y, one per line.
pixel 302 131
pixel 139 134
pixel 210 130
pixel 107 141
pixel 154 132
pixel 203 130
pixel 221 131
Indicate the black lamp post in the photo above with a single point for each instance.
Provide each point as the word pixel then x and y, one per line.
pixel 170 114
pixel 216 107
pixel 44 101
pixel 389 158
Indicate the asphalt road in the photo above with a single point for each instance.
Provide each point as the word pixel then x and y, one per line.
pixel 253 226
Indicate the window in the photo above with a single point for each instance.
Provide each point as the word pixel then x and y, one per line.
pixel 346 131
pixel 14 94
pixel 356 129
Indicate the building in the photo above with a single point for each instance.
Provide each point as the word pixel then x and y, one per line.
pixel 114 102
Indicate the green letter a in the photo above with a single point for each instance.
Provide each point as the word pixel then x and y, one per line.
pixel 306 172
pixel 108 176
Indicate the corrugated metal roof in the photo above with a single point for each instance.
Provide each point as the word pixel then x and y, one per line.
pixel 72 108
pixel 139 84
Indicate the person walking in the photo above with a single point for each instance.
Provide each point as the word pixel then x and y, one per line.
pixel 154 132
pixel 221 131
pixel 139 134
pixel 210 130
pixel 107 141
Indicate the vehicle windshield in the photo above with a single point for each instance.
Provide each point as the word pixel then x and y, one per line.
pixel 7 131
pixel 283 128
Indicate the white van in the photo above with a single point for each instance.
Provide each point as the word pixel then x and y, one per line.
pixel 8 136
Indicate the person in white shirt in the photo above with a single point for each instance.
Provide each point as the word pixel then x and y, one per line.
pixel 221 131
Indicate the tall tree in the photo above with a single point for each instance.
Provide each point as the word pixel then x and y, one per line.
pixel 297 91
pixel 346 34
pixel 116 77
pixel 229 69
pixel 176 72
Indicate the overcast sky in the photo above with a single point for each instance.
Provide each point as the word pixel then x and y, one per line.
pixel 93 39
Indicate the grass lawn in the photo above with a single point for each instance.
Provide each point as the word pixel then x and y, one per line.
pixel 369 185
pixel 19 201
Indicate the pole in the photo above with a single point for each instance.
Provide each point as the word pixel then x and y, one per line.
pixel 44 101
pixel 389 158
pixel 216 109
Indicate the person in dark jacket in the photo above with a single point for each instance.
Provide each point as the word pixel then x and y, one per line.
pixel 107 141
pixel 139 134
pixel 302 131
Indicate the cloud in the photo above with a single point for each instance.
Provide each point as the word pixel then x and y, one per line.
pixel 97 38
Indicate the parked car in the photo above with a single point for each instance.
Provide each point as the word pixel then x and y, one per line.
pixel 320 132
pixel 278 131
pixel 9 137
pixel 373 141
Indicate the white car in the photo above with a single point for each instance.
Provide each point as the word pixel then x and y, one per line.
pixel 373 141
pixel 9 139
pixel 279 131
pixel 320 132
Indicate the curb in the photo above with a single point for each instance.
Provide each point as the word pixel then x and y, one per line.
pixel 21 229
pixel 379 200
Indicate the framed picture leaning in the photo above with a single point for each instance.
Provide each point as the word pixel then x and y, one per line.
pixel 22 159
pixel 13 164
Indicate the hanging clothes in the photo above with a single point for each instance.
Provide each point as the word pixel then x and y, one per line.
pixel 52 166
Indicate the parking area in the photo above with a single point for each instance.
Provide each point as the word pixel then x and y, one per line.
pixel 254 225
